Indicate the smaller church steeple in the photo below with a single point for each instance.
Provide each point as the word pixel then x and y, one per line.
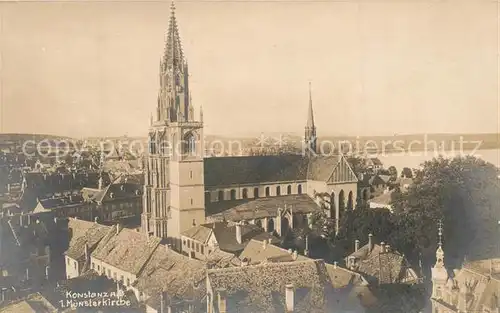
pixel 310 129
pixel 439 273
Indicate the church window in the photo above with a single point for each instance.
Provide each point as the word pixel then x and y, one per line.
pixel 191 174
pixel 245 193
pixel 289 189
pixel 233 194
pixel 256 192
pixel 299 189
pixel 268 192
pixel 278 190
pixel 221 195
pixel 189 144
pixel 184 242
pixel 191 200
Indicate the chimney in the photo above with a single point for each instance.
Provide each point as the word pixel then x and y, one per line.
pixel 382 246
pixel 221 301
pixel 289 298
pixel 335 264
pixel 55 220
pixel 238 232
pixel 162 303
pixel 96 219
pixel 29 219
pixel 27 273
pixel 356 245
pixel 387 248
pixel 290 251
pixel 118 228
pixel 3 294
pixel 306 250
pixel 295 255
pixel 168 246
pixel 370 242
pixel 47 272
pixel 264 244
pixel 21 222
pixel 244 262
pixel 86 249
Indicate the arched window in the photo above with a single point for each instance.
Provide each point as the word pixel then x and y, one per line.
pixel 221 195
pixel 245 193
pixel 268 192
pixel 233 194
pixel 256 192
pixel 289 189
pixel 189 145
pixel 278 191
pixel 299 189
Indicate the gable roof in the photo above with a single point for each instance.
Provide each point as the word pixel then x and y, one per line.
pixel 265 207
pixel 116 191
pixel 257 252
pixel 225 234
pixel 34 303
pixel 227 171
pixel 127 249
pixel 90 238
pixel 178 276
pixel 261 288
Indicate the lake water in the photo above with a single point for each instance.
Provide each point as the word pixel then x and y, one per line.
pixel 413 160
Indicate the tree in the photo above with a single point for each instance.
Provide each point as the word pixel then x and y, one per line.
pixel 393 172
pixel 464 193
pixel 407 172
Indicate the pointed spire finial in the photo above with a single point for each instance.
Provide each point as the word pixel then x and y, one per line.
pixel 440 233
pixel 172 7
pixel 201 113
pixel 310 114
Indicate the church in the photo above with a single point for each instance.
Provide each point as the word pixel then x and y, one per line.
pixel 184 189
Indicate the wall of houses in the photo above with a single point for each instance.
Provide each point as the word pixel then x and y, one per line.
pixel 196 249
pixel 112 272
pixel 238 192
pixel 72 267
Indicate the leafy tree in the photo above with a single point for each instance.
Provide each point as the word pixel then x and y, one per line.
pixel 357 164
pixel 393 172
pixel 463 192
pixel 407 172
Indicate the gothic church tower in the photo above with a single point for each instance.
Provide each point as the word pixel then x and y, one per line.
pixel 173 198
pixel 310 129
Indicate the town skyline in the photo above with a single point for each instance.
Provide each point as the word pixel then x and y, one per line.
pixel 92 68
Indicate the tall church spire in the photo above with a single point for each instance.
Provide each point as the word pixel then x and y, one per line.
pixel 310 129
pixel 310 115
pixel 174 102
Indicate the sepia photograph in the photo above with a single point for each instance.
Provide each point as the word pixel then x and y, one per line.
pixel 250 156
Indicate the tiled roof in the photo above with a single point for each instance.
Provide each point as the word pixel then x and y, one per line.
pixel 91 237
pixel 225 234
pixel 127 250
pixel 364 252
pixel 321 168
pixel 52 203
pixel 118 191
pixel 261 288
pixel 178 276
pixel 255 252
pixel 224 171
pixel 221 259
pixel 268 207
pixel 34 303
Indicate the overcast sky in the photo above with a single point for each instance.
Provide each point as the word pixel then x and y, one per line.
pixel 377 67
